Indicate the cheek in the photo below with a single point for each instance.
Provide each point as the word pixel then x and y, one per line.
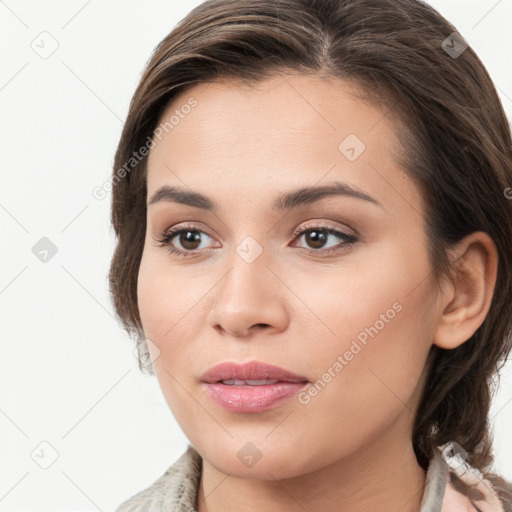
pixel 151 298
pixel 169 320
pixel 384 297
pixel 381 330
pixel 172 304
pixel 165 299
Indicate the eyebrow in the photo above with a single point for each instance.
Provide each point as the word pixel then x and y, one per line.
pixel 288 201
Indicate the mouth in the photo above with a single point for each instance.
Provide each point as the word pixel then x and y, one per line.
pixel 251 387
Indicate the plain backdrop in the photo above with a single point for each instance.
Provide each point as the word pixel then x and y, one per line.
pixel 81 429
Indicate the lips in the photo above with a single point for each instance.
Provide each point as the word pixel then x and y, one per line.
pixel 251 387
pixel 254 371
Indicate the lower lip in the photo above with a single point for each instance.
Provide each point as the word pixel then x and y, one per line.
pixel 252 398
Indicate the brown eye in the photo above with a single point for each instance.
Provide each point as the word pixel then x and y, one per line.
pixel 189 239
pixel 183 241
pixel 317 237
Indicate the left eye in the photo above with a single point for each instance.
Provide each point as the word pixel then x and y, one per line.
pixel 316 237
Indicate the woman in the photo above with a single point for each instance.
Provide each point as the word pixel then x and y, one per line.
pixel 312 205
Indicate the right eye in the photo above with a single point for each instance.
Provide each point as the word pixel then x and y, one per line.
pixel 187 236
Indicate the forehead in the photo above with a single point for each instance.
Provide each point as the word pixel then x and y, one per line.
pixel 294 107
pixel 240 139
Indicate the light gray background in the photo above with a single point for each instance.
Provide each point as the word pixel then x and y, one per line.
pixel 68 374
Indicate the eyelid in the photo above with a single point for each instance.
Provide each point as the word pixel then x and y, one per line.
pixel 320 224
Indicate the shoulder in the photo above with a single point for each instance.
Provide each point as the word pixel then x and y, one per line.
pixel 175 489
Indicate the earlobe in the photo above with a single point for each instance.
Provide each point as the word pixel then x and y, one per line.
pixel 475 266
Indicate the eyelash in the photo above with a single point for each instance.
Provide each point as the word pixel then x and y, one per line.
pixel 165 238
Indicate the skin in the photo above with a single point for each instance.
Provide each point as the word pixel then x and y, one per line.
pixel 295 306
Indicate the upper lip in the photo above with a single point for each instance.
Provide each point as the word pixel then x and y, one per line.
pixel 252 370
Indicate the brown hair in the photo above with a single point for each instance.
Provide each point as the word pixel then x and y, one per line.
pixel 457 147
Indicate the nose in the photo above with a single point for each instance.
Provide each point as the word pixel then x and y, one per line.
pixel 249 299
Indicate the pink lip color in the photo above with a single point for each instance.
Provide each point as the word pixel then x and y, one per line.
pixel 247 398
pixel 252 398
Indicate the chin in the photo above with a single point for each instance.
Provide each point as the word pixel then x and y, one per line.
pixel 245 459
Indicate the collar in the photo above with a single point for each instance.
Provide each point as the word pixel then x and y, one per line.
pixel 452 484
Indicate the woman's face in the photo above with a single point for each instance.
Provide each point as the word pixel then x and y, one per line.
pixel 352 310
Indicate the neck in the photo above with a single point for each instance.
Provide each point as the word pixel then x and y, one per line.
pixel 384 475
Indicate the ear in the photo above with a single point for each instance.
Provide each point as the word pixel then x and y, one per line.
pixel 465 306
